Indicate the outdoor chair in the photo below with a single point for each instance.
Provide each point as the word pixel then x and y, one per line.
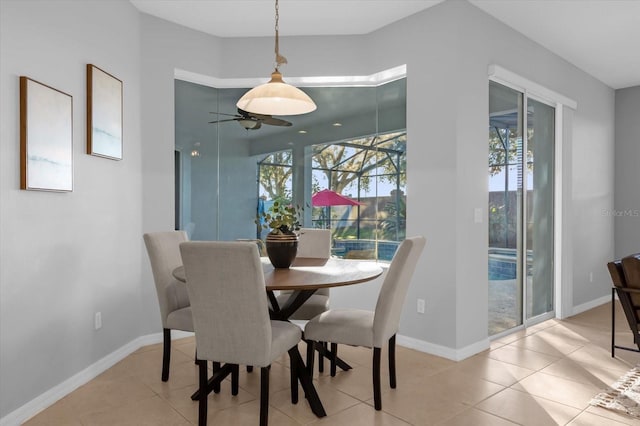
pixel 625 275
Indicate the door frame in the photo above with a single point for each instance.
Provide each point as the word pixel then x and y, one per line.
pixel 563 275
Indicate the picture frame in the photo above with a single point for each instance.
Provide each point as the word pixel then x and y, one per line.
pixel 104 114
pixel 46 137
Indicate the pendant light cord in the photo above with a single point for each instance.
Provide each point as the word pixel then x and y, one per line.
pixel 279 58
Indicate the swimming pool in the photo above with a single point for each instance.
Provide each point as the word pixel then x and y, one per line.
pixel 502 264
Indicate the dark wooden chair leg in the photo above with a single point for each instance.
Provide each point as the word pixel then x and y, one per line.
pixel 235 376
pixel 264 396
pixel 215 367
pixel 377 398
pixel 613 323
pixel 166 353
pixel 334 351
pixel 321 358
pixel 295 368
pixel 202 399
pixel 392 362
pixel 310 356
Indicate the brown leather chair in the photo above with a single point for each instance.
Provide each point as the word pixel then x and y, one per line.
pixel 625 275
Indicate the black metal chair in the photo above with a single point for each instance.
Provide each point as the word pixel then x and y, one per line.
pixel 625 275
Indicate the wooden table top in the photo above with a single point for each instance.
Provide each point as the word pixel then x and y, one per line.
pixel 312 274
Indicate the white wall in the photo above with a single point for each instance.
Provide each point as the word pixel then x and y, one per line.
pixel 64 256
pixel 627 166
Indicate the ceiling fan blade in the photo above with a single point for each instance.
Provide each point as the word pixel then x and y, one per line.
pixel 275 121
pixel 245 113
pixel 223 121
pixel 223 113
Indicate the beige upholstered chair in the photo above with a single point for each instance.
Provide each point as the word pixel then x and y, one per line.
pixel 313 243
pixel 163 249
pixel 226 285
pixel 316 244
pixel 359 327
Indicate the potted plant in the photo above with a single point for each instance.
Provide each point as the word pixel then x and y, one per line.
pixel 282 241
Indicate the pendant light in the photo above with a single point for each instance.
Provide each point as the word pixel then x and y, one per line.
pixel 276 97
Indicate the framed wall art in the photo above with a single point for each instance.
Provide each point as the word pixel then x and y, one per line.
pixel 46 137
pixel 104 114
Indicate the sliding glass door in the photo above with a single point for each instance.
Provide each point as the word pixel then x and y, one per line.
pixel 521 234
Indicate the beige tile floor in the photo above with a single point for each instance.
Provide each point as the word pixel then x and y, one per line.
pixel 545 375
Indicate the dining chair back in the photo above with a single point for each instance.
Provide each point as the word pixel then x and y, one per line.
pixel 230 311
pixel 163 249
pixel 225 282
pixel 314 243
pixel 394 289
pixel 358 327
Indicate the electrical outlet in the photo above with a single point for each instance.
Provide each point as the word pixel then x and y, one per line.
pixel 590 277
pixel 420 306
pixel 97 321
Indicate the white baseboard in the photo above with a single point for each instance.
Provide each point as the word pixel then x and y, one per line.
pixel 61 390
pixel 443 351
pixel 590 305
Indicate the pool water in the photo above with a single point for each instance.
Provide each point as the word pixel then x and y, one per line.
pixel 502 268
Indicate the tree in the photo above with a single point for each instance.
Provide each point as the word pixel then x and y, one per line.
pixel 504 147
pixel 363 158
pixel 275 175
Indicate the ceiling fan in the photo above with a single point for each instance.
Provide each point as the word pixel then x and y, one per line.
pixel 252 121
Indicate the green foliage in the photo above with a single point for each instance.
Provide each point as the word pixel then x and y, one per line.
pixel 280 218
pixel 275 174
pixel 365 158
pixel 503 152
pixel 394 226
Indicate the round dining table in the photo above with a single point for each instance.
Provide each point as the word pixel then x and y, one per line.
pixel 307 273
pixel 304 277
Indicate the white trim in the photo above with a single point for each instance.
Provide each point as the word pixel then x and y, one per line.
pixel 521 84
pixel 61 390
pixel 443 351
pixel 590 305
pixel 540 318
pixel 560 302
pixel 372 80
pixel 506 332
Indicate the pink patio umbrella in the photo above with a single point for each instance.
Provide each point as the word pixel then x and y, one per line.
pixel 327 197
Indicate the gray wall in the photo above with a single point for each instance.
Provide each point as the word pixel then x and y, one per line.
pixel 627 166
pixel 447 50
pixel 65 256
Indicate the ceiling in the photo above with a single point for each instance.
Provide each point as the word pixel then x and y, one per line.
pixel 601 37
